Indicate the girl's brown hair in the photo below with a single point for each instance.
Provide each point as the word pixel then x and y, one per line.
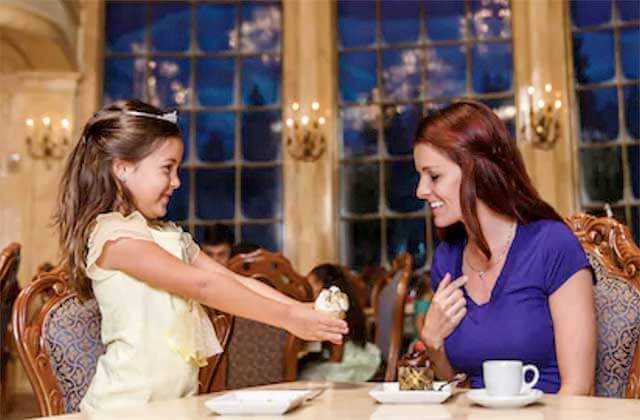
pixel 493 171
pixel 89 187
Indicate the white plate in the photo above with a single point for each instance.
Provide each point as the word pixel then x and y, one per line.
pixel 389 393
pixel 257 402
pixel 482 397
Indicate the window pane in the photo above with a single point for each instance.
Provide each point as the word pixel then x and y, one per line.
pixel 360 132
pixel 261 80
pixel 598 115
pixel 401 73
pixel 184 122
pixel 593 56
pixel 634 169
pixel 589 12
pixel 360 190
pixel 446 71
pixel 400 124
pixel 261 193
pixel 267 236
pixel 170 86
pixel 506 110
pixel 215 136
pixel 444 19
pixel 215 81
pixel 490 19
pixel 602 174
pixel 216 24
pixel 261 136
pixel 407 235
pixel 357 76
pixel 401 183
pixel 261 27
pixel 123 79
pixel 632 110
pixel 215 191
pixel 124 27
pixel 178 208
pixel 400 21
pixel 171 27
pixel 630 52
pixel 492 67
pixel 628 9
pixel 361 243
pixel 356 22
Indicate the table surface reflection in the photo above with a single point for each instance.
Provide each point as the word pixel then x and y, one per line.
pixel 352 401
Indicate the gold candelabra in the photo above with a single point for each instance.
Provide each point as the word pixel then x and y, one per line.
pixel 305 139
pixel 541 126
pixel 46 141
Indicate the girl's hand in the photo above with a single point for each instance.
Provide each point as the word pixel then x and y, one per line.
pixel 445 312
pixel 312 325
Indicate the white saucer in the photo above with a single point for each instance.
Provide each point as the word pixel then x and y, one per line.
pixel 480 396
pixel 389 393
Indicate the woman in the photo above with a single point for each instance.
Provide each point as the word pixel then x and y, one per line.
pixel 511 279
pixel 360 359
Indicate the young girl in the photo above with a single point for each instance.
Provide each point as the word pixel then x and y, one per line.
pixel 147 275
pixel 360 359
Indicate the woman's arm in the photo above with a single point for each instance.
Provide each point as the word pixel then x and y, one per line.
pixel 148 262
pixel 204 262
pixel 574 324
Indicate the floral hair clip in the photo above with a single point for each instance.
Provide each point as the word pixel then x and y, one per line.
pixel 171 117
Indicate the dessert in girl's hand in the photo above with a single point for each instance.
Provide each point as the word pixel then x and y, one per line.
pixel 334 301
pixel 415 372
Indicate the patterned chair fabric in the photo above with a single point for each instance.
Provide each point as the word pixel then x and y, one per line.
pixel 256 354
pixel 71 333
pixel 618 310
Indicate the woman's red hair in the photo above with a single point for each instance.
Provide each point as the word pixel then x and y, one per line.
pixel 493 171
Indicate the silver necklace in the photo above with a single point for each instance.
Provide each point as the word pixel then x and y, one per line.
pixel 483 273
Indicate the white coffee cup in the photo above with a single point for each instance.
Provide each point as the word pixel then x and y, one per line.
pixel 505 378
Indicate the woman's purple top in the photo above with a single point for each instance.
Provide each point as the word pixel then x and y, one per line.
pixel 516 323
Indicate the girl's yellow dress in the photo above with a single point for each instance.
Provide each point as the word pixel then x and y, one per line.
pixel 155 341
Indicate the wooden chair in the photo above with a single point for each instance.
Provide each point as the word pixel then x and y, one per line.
pixel 359 287
pixel 59 344
pixel 389 312
pixel 616 263
pixel 223 323
pixel 260 354
pixel 9 289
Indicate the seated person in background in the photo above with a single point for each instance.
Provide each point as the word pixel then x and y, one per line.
pixel 424 294
pixel 360 359
pixel 243 247
pixel 217 242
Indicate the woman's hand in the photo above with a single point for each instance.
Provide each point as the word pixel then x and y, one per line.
pixel 312 325
pixel 445 312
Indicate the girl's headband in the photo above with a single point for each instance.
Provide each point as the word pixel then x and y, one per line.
pixel 171 117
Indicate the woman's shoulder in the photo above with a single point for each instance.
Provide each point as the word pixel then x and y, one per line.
pixel 550 232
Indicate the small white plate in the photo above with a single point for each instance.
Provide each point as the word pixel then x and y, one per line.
pixel 267 402
pixel 389 393
pixel 482 397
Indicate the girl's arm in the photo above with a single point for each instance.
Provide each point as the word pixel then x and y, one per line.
pixel 204 262
pixel 574 324
pixel 148 262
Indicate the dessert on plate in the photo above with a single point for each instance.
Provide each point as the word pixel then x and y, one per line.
pixel 415 372
pixel 334 301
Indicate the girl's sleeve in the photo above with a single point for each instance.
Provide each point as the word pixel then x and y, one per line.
pixel 110 227
pixel 191 247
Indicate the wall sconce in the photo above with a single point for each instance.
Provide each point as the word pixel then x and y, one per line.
pixel 46 141
pixel 541 126
pixel 305 139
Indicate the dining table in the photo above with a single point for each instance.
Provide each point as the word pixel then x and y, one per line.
pixel 342 401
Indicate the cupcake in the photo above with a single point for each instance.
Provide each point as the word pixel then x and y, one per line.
pixel 415 372
pixel 334 301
